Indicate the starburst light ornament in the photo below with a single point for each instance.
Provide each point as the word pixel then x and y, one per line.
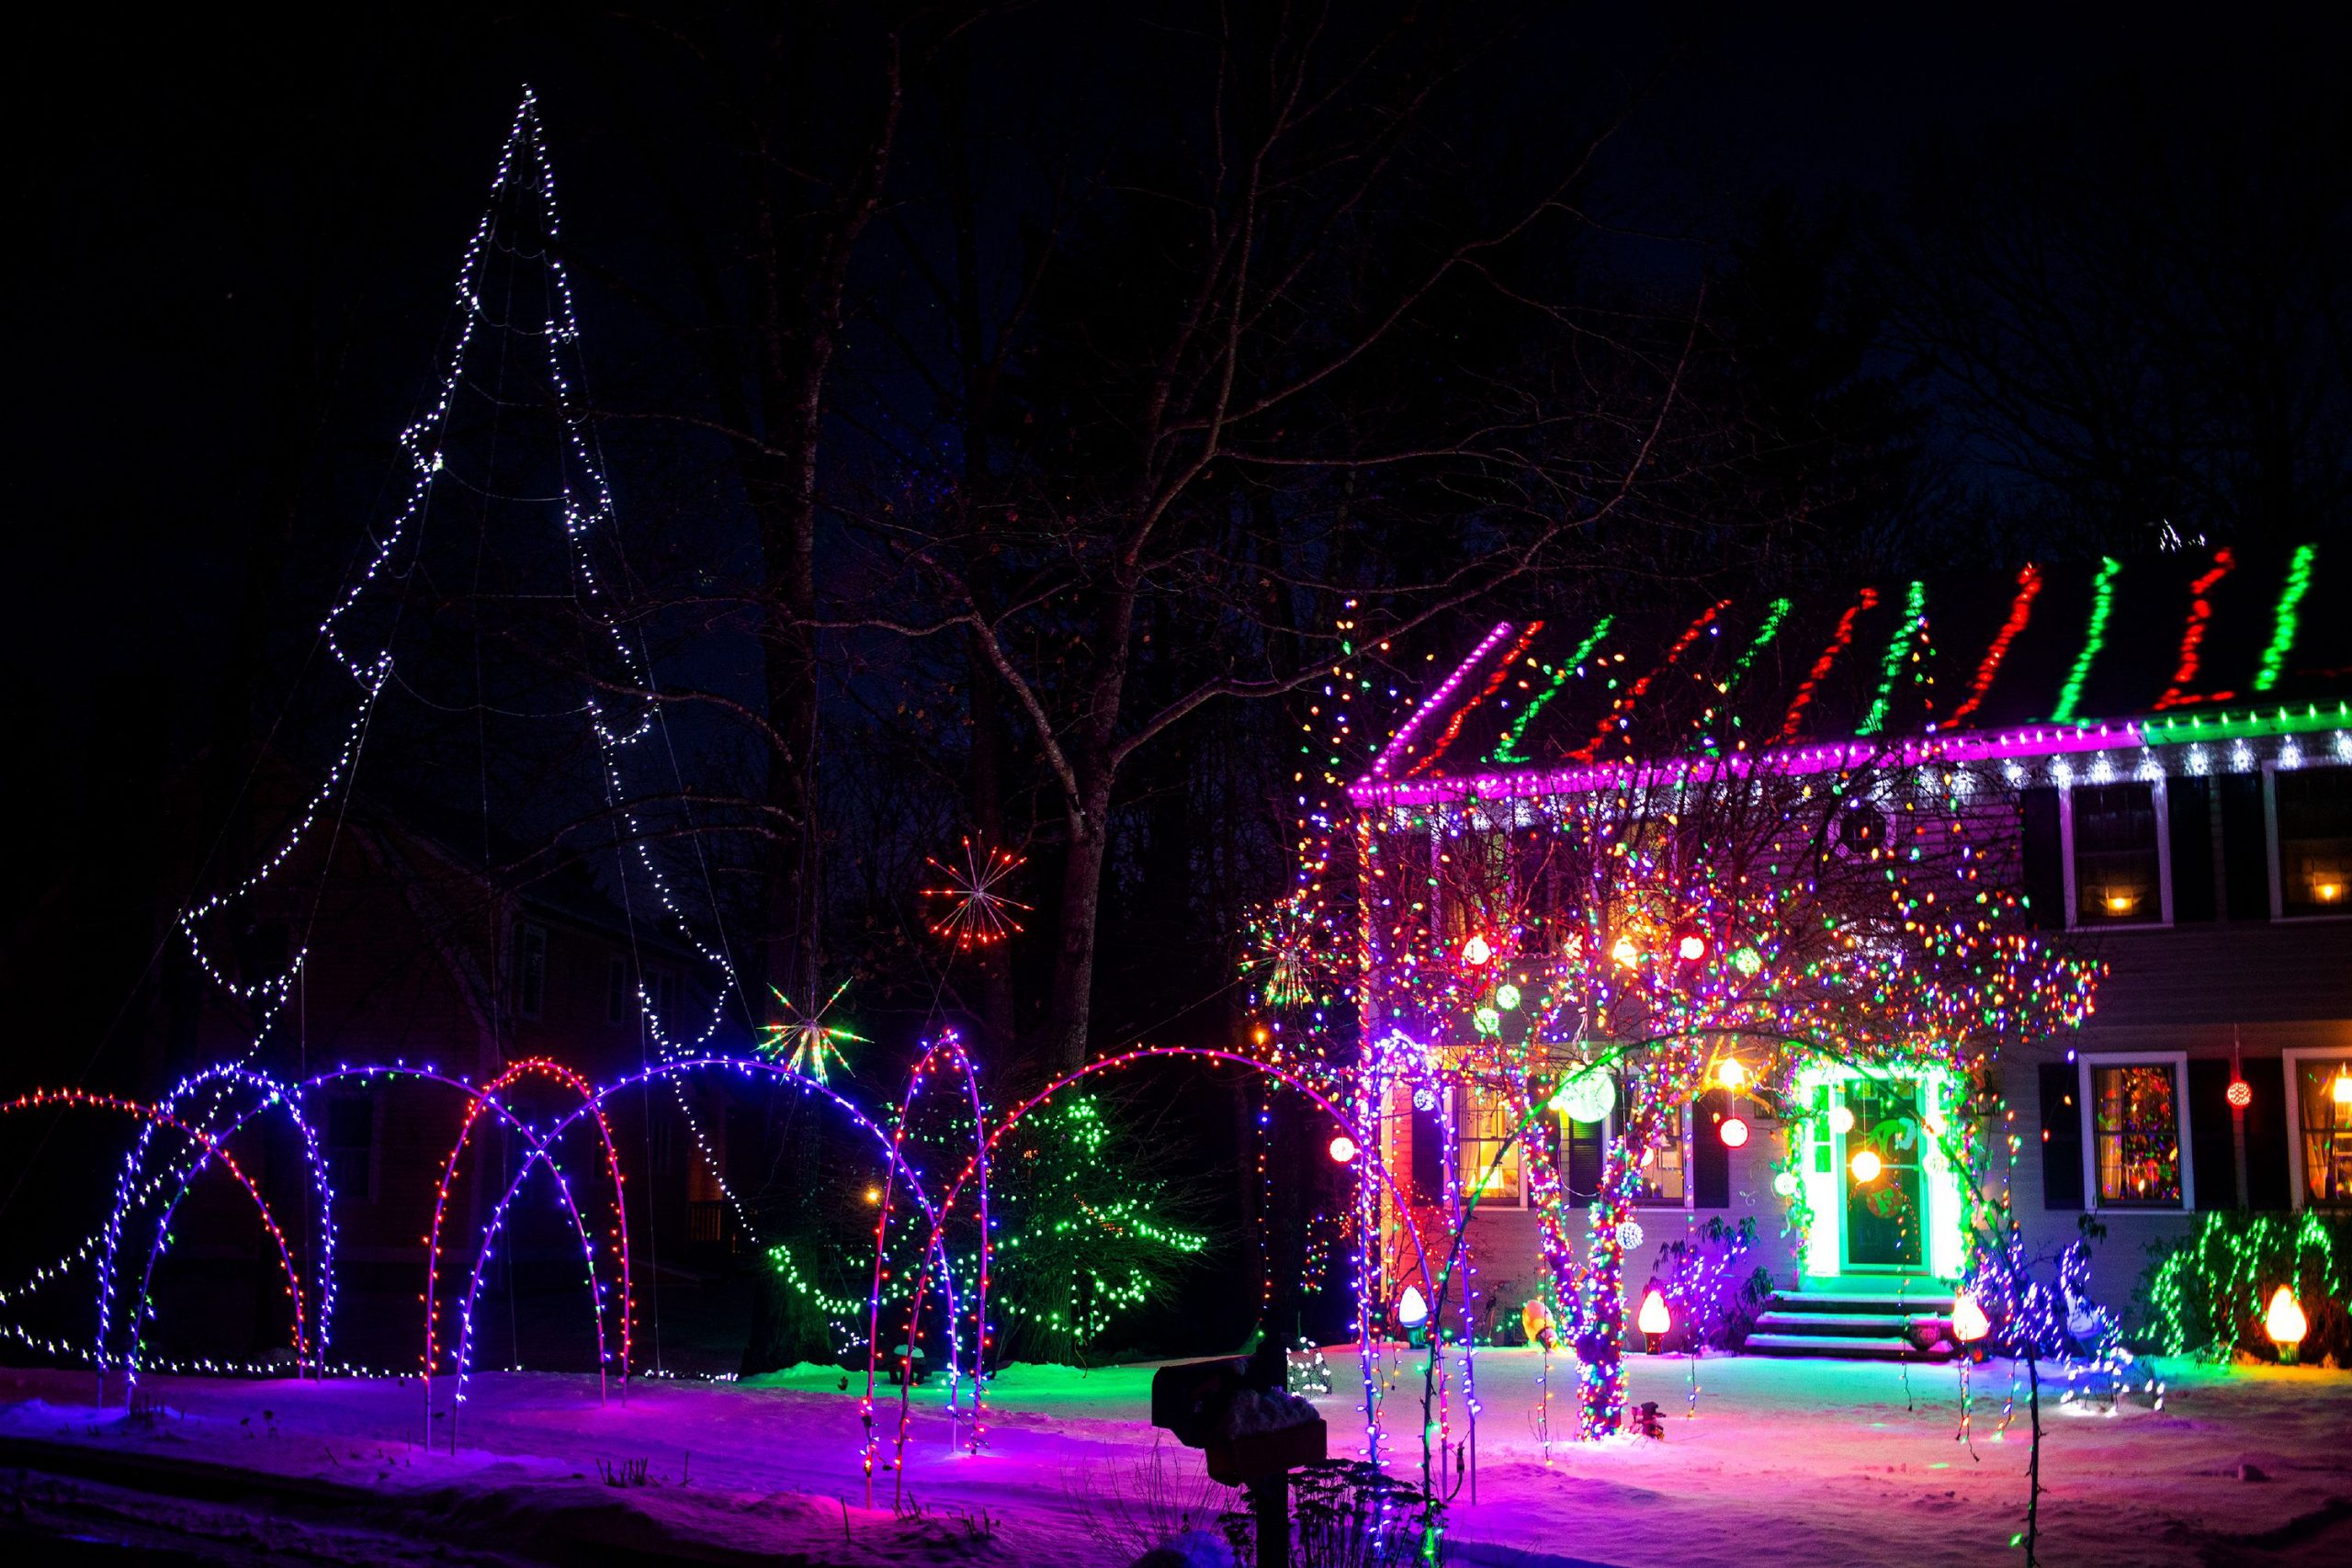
pixel 978 914
pixel 805 1043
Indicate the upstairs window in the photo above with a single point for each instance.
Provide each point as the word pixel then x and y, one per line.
pixel 1487 1120
pixel 2135 1134
pixel 530 970
pixel 2119 871
pixel 2315 816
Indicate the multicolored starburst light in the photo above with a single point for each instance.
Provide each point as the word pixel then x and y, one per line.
pixel 978 914
pixel 804 1041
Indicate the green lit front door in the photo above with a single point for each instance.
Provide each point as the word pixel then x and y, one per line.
pixel 1885 1213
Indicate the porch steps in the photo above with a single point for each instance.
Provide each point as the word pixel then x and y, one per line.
pixel 1876 1328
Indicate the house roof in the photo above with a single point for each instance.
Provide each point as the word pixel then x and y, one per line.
pixel 2144 649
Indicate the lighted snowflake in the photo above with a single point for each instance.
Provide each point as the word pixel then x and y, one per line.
pixel 807 1045
pixel 977 913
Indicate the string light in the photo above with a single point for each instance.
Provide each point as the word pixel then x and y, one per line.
pixel 2282 626
pixel 2094 638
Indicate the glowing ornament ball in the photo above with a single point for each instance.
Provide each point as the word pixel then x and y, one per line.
pixel 1475 951
pixel 1841 1119
pixel 1866 1166
pixel 1588 1097
pixel 1731 1073
pixel 1785 1184
pixel 1734 1132
pixel 1969 1323
pixel 2240 1094
pixel 1343 1149
pixel 1690 949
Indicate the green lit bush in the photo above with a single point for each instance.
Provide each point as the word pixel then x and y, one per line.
pixel 2206 1294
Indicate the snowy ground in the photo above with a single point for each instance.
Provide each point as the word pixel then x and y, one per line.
pixel 1785 1463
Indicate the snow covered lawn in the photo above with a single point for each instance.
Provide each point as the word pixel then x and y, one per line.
pixel 1785 1462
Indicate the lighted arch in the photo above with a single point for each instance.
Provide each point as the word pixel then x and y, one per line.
pixel 487 1097
pixel 126 1195
pixel 672 1069
pixel 156 1118
pixel 953 1043
pixel 1283 1075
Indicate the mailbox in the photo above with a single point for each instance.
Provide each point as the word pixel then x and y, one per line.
pixel 1253 1432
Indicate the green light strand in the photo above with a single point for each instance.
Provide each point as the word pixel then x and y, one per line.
pixel 1508 750
pixel 1772 628
pixel 1915 613
pixel 2282 626
pixel 2102 601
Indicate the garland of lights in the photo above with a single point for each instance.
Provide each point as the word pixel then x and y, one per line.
pixel 2094 638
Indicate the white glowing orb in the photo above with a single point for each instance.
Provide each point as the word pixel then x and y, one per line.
pixel 1588 1097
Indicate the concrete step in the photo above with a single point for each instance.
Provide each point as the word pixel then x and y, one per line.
pixel 1849 1347
pixel 1860 1306
pixel 1848 1324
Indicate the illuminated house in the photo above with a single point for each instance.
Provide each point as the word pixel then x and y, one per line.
pixel 2144 765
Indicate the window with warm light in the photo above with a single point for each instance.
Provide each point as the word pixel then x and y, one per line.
pixel 2323 1094
pixel 2135 1134
pixel 2314 816
pixel 1488 1118
pixel 2118 872
pixel 1664 1170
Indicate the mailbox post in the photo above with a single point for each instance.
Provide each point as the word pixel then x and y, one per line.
pixel 1220 1407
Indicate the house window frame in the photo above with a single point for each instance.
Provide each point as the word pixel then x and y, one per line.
pixel 2177 1061
pixel 1689 1197
pixel 2272 845
pixel 2159 805
pixel 2291 1063
pixel 1462 1178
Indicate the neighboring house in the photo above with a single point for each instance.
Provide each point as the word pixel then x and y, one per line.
pixel 2170 752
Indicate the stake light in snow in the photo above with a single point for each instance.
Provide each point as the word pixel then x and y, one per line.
pixel 1866 1166
pixel 1734 1132
pixel 1969 1323
pixel 1653 1320
pixel 1412 1308
pixel 2284 1322
pixel 1343 1149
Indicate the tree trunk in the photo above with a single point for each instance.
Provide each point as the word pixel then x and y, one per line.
pixel 1068 1013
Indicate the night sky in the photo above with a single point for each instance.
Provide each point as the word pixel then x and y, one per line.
pixel 235 239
